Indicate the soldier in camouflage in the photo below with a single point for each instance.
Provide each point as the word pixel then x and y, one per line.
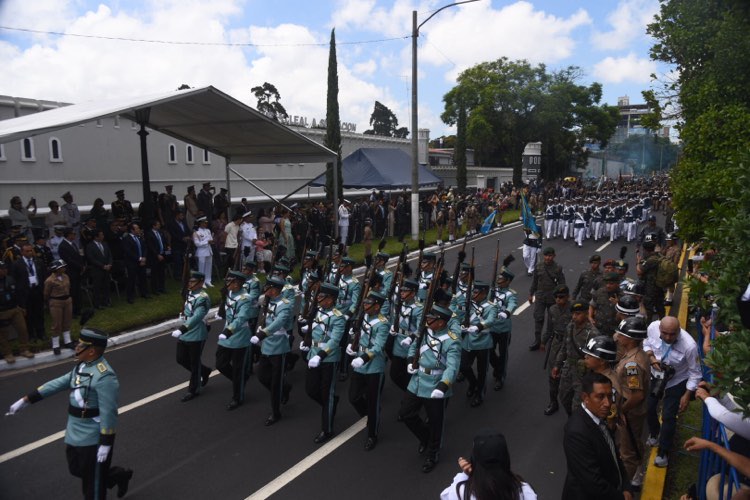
pixel 559 318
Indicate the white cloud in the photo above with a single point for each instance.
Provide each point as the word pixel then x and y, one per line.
pixel 630 68
pixel 628 22
pixel 367 68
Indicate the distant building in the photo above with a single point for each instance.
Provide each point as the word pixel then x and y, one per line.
pixel 630 121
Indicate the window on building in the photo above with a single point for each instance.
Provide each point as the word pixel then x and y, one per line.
pixel 172 154
pixel 27 149
pixel 133 125
pixel 2 152
pixel 189 154
pixel 55 150
pixel 117 121
pixel 99 122
pixel 206 157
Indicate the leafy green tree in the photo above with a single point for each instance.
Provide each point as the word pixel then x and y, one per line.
pixel 268 101
pixel 333 124
pixel 459 153
pixel 384 122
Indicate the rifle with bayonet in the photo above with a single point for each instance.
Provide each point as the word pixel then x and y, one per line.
pixel 422 330
pixel 266 301
pixel 359 310
pixel 469 291
pixel 457 270
pixel 493 285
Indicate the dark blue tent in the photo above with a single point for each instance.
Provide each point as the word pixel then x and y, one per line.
pixel 374 168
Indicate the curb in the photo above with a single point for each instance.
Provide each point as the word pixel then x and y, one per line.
pixel 47 357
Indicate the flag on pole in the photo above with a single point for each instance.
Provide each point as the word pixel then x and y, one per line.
pixel 488 222
pixel 529 222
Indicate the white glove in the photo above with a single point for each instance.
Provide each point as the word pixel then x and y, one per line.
pixel 406 342
pixel 437 394
pixel 304 329
pixel 260 331
pixel 746 295
pixel 222 336
pixel 176 334
pixel 254 340
pixel 351 332
pixel 18 406
pixel 303 347
pixel 314 362
pixel 103 452
pixel 358 362
pixel 503 314
pixel 262 300
pixel 423 286
pixel 410 369
pixel 471 329
pixel 219 317
pixel 350 351
pixel 393 332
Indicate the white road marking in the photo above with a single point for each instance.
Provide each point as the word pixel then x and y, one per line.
pixel 603 246
pixel 306 463
pixel 521 308
pixel 54 437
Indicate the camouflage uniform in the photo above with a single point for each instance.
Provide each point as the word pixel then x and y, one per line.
pixel 570 361
pixel 605 312
pixel 559 318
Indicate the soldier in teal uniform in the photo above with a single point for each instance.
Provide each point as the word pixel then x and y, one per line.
pixel 381 260
pixel 93 391
pixel 323 355
pixel 426 274
pixel 191 335
pixel 289 291
pixel 253 288
pixel 506 300
pixel 431 382
pixel 477 342
pixel 408 320
pixel 369 366
pixel 349 291
pixel 232 351
pixel 273 338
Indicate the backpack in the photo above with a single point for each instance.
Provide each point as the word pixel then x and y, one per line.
pixel 666 273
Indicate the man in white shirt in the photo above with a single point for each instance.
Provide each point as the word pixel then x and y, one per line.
pixel 668 344
pixel 344 221
pixel 232 230
pixel 249 235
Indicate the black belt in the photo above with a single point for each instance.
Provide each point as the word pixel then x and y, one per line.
pixel 61 297
pixel 75 411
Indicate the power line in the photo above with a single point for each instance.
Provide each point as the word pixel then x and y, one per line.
pixel 218 44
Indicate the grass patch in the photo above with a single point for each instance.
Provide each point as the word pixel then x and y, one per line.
pixel 683 466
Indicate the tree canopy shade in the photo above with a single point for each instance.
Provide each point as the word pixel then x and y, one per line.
pixel 384 122
pixel 511 103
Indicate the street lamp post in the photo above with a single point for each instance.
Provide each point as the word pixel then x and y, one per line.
pixel 414 125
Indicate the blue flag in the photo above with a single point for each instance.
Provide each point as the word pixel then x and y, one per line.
pixel 529 222
pixel 488 222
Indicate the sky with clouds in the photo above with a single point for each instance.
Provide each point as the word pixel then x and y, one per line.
pixel 238 44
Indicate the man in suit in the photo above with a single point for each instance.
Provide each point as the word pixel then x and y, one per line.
pixel 156 258
pixel 134 252
pixel 99 258
pixel 29 274
pixel 180 236
pixel 206 201
pixel 70 253
pixel 594 468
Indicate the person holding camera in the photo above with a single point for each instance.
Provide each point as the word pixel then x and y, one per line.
pixel 675 373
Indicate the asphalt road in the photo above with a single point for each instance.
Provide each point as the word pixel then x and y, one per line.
pixel 200 450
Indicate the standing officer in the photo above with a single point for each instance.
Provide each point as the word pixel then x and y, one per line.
pixel 634 374
pixel 602 308
pixel 554 340
pixel 234 340
pixel 191 335
pixel 477 342
pixel 369 366
pixel 430 385
pixel 647 268
pixel 586 280
pixel 273 338
pixel 545 279
pixel 11 314
pixel 93 391
pixel 506 300
pixel 407 324
pixel 569 364
pixel 323 355
pixel 122 207
pixel 57 297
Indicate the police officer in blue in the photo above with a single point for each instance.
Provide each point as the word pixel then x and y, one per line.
pixel 506 300
pixel 477 341
pixel 406 325
pixel 323 357
pixel 431 381
pixel 273 337
pixel 192 333
pixel 232 353
pixel 92 417
pixel 369 365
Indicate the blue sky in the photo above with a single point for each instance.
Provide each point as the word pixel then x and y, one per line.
pixel 286 43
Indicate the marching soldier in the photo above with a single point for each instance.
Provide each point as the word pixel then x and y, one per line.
pixel 587 279
pixel 431 382
pixel 381 260
pixel 253 289
pixel 273 338
pixel 191 335
pixel 408 320
pixel 369 366
pixel 477 342
pixel 232 351
pixel 602 312
pixel 122 208
pixel 554 340
pixel 350 288
pixel 322 357
pixel 545 279
pixel 506 300
pixel 569 362
pixel 426 274
pixel 93 391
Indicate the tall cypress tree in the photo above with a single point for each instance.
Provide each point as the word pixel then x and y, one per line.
pixel 459 153
pixel 333 124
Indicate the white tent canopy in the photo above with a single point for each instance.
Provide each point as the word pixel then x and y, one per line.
pixel 204 117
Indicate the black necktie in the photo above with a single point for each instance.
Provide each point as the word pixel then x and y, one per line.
pixel 31 267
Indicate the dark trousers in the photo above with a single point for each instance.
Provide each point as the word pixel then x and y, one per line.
pixel 320 386
pixel 178 257
pixel 398 373
pixel 96 477
pixel 158 270
pixel 499 355
pixel 189 357
pixel 430 433
pixel 541 311
pixel 670 406
pixel 271 375
pixel 100 285
pixel 482 357
pixel 364 395
pixel 232 363
pixel 35 313
pixel 75 289
pixel 136 274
